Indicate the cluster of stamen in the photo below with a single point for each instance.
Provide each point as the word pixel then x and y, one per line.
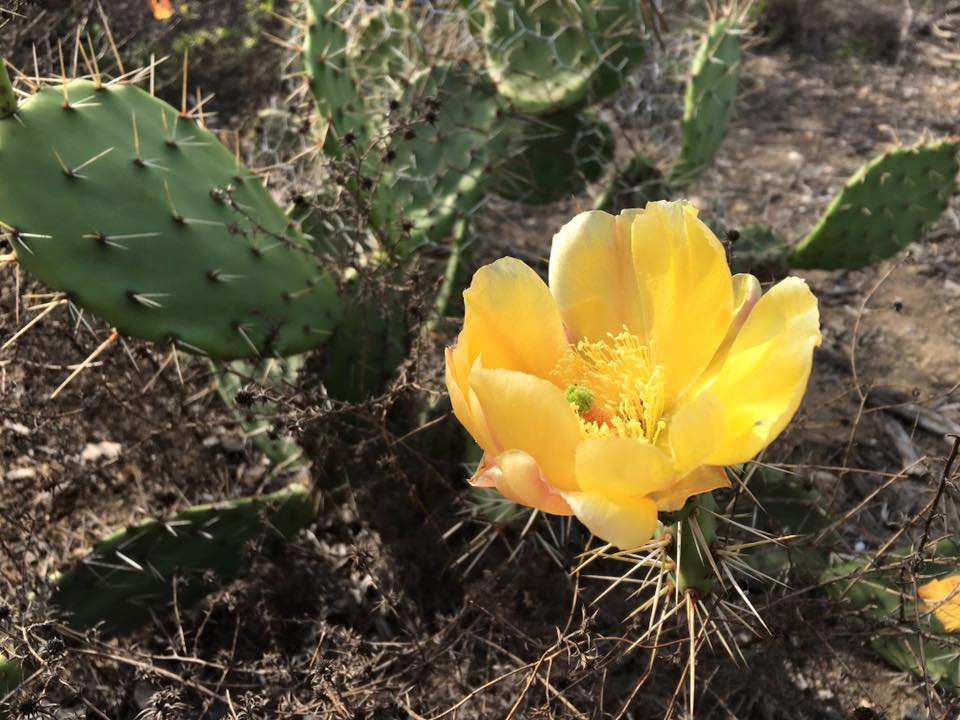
pixel 614 387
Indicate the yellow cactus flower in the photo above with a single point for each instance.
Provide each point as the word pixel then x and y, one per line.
pixel 624 387
pixel 943 597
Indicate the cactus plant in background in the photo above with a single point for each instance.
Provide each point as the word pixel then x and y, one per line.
pixel 883 208
pixel 708 104
pixel 252 412
pixel 711 91
pixel 552 55
pixel 911 638
pixel 557 156
pixel 158 228
pixel 131 573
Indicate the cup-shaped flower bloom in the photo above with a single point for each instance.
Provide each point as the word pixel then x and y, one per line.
pixel 624 387
pixel 943 597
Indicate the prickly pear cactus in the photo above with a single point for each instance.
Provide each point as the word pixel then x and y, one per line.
pixel 385 46
pixel 549 55
pixel 129 575
pixel 444 136
pixel 758 249
pixel 330 77
pixel 708 104
pixel 11 675
pixel 365 352
pixel 882 596
pixel 693 531
pixel 255 415
pixel 147 221
pixel 883 208
pixel 8 99
pixel 640 182
pixel 556 156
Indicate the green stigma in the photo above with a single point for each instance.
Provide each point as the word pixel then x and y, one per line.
pixel 581 397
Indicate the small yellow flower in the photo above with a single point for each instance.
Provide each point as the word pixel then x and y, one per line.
pixel 625 387
pixel 943 597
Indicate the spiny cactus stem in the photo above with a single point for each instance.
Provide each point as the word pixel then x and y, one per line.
pixel 693 532
pixel 8 98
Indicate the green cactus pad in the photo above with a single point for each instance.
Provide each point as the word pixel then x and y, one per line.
pixel 11 675
pixel 883 208
pixel 445 132
pixel 128 576
pixel 557 156
pixel 639 183
pixel 364 354
pixel 385 46
pixel 549 55
pixel 275 373
pixel 330 76
pixel 882 596
pixel 8 98
pixel 711 92
pixel 761 251
pixel 147 221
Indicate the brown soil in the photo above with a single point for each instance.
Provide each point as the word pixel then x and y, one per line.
pixel 402 600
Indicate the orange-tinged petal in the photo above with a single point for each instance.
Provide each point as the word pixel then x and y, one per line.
pixel 943 595
pixel 162 9
pixel 622 467
pixel 700 480
pixel 625 523
pixel 592 277
pixel 524 412
pixel 517 477
pixel 686 290
pixel 763 378
pixel 512 320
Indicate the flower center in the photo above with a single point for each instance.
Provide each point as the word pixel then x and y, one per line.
pixel 614 387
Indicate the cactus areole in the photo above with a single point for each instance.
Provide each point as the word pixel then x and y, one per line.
pixel 112 197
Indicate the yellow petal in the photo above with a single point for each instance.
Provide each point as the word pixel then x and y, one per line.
pixel 622 467
pixel 763 378
pixel 702 479
pixel 464 401
pixel 523 412
pixel 512 320
pixel 517 477
pixel 696 431
pixel 592 277
pixel 627 523
pixel 943 596
pixel 686 290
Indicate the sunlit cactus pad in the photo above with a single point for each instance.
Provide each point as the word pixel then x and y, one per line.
pixel 443 135
pixel 549 55
pixel 149 222
pixel 329 75
pixel 711 92
pixel 883 208
pixel 555 158
pixel 129 575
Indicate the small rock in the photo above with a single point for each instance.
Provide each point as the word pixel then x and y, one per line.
pixel 104 450
pixel 21 474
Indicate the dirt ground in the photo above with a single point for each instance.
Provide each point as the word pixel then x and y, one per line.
pixel 403 600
